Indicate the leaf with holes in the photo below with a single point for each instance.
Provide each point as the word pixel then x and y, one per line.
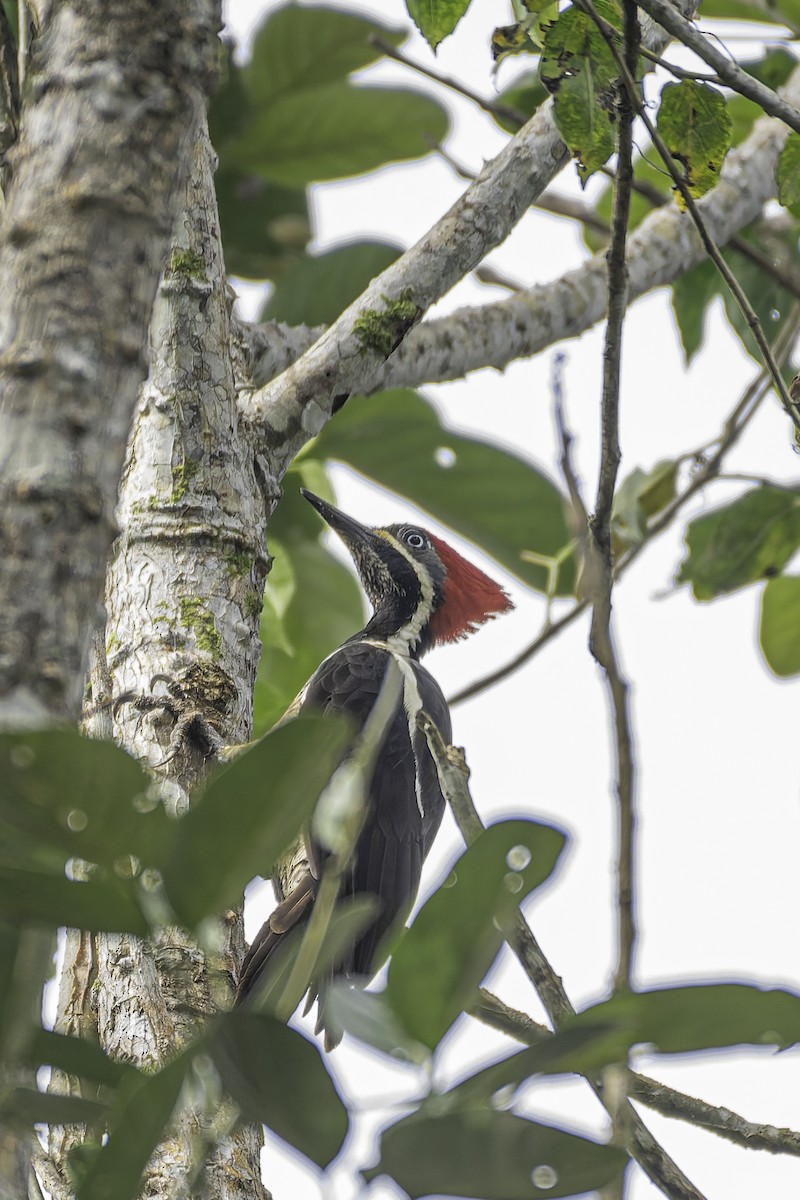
pixel 578 67
pixel 693 120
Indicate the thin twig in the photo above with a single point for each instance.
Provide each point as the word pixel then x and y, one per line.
pixel 721 1121
pixel 453 775
pixel 494 107
pixel 668 16
pixel 496 1014
pixel 734 426
pixel 711 248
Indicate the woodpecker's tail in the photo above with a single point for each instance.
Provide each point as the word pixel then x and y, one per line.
pixel 289 914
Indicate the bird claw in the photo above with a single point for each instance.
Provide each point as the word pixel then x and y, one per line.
pixel 195 712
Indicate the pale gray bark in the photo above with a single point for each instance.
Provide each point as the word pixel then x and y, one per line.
pixel 86 223
pixel 664 246
pixel 349 358
pixel 183 601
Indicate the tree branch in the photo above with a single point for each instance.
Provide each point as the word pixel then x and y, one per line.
pixel 350 357
pixel 110 109
pixel 664 246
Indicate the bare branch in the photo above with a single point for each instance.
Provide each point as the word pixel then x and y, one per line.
pixel 351 355
pixel 664 246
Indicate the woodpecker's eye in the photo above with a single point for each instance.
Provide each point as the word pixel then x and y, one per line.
pixel 415 539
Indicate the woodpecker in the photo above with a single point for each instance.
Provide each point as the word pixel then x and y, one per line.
pixel 423 594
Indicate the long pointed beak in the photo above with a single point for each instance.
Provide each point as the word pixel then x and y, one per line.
pixel 348 529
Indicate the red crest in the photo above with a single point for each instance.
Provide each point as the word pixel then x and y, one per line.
pixel 471 598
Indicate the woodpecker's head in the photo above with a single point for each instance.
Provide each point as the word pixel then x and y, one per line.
pixel 423 592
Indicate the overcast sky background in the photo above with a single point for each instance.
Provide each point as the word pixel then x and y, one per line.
pixel 719 782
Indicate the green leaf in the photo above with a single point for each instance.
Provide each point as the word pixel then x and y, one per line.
pixel 785 12
pixel 492 1155
pixel 639 496
pixel 691 296
pixel 369 1017
pixel 779 625
pixel 439 963
pixel 789 174
pixel 250 813
pixel 527 93
pixel 28 1106
pixel 264 227
pixel 334 130
pixel 436 19
pixel 141 1112
pixel 97 905
pixel 82 798
pixel 578 67
pixel 495 499
pixel 693 121
pixel 77 1056
pixel 317 288
pixel 772 69
pixel 278 1077
pixel 683 1020
pixel 753 538
pixel 296 45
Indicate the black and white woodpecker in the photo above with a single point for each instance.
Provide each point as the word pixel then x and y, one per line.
pixel 423 594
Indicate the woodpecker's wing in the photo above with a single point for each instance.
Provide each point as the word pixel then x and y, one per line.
pixel 403 812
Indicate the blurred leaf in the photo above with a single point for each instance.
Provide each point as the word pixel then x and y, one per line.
pixel 29 1107
pixel 784 12
pixel 436 19
pixel 296 45
pixel 488 495
pixel 479 1152
pixel 77 1056
pixel 578 67
pixel 641 494
pixel 251 812
pixel 772 69
pixel 368 1017
pixel 512 39
pixel 683 1020
pixel 440 961
pixel 779 625
pixel 750 539
pixel 527 93
pixel 789 174
pixel 83 798
pixel 691 295
pixel 278 1077
pixel 693 121
pixel 651 176
pixel 312 604
pixel 554 1055
pixel 334 131
pixel 264 226
pixel 230 108
pixel 139 1117
pixel 97 905
pixel 317 288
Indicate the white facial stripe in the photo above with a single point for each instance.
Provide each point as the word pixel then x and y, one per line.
pixel 408 636
pixel 412 703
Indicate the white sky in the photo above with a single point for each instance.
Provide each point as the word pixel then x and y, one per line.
pixel 719 887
